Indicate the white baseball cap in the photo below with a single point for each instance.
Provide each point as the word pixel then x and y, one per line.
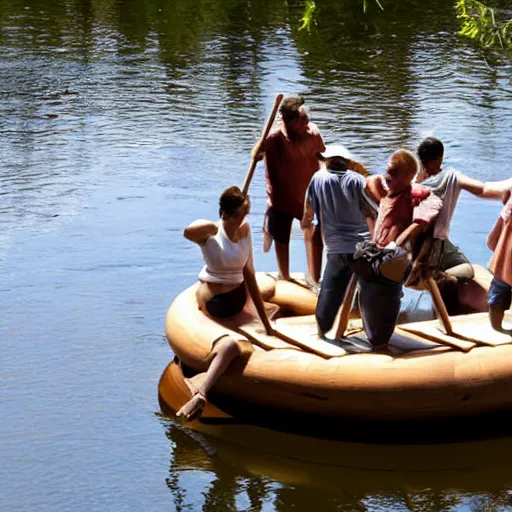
pixel 337 150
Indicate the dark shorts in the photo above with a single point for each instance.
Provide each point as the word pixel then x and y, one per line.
pixel 452 256
pixel 500 295
pixel 279 226
pixel 227 304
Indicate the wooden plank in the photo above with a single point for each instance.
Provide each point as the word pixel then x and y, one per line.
pixel 302 332
pixel 430 331
pixel 257 335
pixel 402 343
pixel 409 342
pixel 477 328
pixel 306 321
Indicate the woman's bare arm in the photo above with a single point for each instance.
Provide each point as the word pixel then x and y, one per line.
pixel 200 230
pixel 254 292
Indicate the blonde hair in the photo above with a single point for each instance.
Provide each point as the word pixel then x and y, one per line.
pixel 407 159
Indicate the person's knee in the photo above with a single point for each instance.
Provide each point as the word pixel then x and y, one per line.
pixel 463 272
pixel 469 271
pixel 324 321
pixel 226 347
pixel 230 348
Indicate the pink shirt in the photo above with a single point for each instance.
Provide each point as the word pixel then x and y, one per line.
pixel 501 262
pixel 289 167
pixel 396 213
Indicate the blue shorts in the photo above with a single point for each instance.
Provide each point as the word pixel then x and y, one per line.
pixel 500 295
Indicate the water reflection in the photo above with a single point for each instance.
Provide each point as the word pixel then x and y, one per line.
pixel 120 121
pixel 234 478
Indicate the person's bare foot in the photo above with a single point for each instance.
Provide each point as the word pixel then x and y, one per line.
pixel 195 383
pixel 193 408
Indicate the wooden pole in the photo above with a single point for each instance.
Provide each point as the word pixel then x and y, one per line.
pixel 264 135
pixel 346 306
pixel 439 304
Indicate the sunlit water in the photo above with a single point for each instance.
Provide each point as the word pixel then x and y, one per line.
pixel 120 122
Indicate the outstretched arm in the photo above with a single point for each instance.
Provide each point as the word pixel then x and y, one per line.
pixel 200 230
pixel 497 189
pixel 473 186
pixel 254 292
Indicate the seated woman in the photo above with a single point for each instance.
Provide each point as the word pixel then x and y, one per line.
pixel 229 271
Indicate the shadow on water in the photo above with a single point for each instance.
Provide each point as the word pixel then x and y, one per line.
pixel 236 478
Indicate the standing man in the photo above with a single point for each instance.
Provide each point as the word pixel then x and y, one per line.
pixel 335 195
pixel 291 158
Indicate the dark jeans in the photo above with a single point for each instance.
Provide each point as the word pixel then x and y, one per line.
pixel 379 303
pixel 334 283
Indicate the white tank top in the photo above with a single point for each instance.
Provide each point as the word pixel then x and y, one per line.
pixel 225 259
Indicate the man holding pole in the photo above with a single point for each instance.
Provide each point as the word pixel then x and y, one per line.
pixel 291 158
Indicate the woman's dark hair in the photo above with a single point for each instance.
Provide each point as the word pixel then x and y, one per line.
pixel 430 149
pixel 231 200
pixel 290 107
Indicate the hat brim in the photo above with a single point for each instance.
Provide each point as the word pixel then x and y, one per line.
pixel 336 150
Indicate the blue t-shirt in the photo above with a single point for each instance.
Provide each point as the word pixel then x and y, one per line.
pixel 336 198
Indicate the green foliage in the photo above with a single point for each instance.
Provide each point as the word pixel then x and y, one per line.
pixel 479 23
pixel 365 5
pixel 308 18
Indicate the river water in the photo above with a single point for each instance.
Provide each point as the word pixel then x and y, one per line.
pixel 120 122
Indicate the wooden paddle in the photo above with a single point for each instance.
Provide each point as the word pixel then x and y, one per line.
pixel 439 304
pixel 346 307
pixel 264 135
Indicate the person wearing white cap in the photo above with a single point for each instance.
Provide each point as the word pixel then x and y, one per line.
pixel 336 196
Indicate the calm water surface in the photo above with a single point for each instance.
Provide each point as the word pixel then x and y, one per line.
pixel 120 122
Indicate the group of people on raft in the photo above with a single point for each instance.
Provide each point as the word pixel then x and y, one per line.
pixel 373 225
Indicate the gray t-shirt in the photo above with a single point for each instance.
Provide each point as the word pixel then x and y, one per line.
pixel 336 198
